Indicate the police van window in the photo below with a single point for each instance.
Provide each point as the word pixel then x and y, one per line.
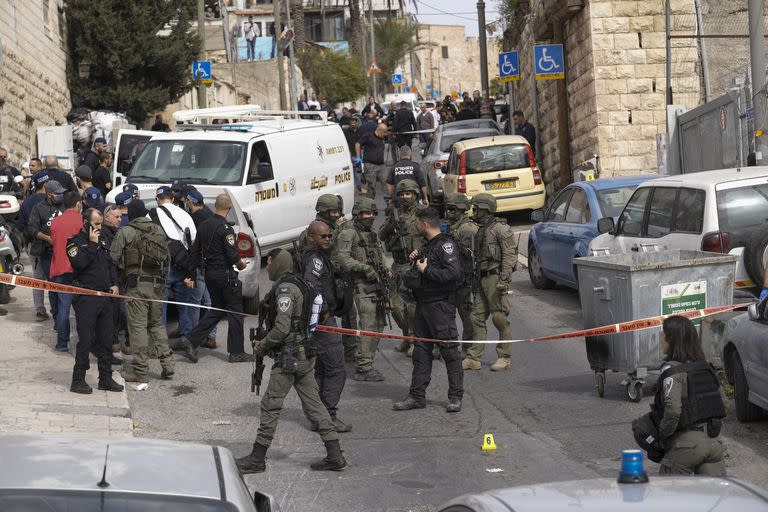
pixel 578 208
pixel 631 220
pixel 660 214
pixel 194 161
pixel 689 214
pixel 259 154
pixel 557 209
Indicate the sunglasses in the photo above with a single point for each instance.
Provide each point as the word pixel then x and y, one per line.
pixel 326 236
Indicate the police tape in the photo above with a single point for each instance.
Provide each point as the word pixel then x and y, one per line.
pixel 606 330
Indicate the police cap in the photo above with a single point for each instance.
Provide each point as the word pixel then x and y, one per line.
pixel 327 202
pixel 484 202
pixel 364 204
pixel 458 201
pixel 407 186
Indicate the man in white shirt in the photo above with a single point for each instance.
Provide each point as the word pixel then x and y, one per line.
pixel 314 102
pixel 181 232
pixel 436 115
pixel 252 31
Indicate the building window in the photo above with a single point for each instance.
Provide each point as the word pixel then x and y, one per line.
pixel 47 17
pixel 250 4
pixel 62 27
pixel 30 132
pixel 330 28
pixel 444 50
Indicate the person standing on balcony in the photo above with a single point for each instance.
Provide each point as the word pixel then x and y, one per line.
pixel 252 31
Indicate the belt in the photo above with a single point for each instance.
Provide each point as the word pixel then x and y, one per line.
pixel 151 279
pixel 485 273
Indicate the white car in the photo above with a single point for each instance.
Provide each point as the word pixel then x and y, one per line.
pixel 722 211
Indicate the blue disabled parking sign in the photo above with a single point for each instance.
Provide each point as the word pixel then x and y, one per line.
pixel 509 67
pixel 397 79
pixel 201 70
pixel 548 61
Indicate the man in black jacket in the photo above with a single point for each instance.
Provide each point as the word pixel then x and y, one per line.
pixel 404 122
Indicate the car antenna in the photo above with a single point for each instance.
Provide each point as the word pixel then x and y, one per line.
pixel 103 483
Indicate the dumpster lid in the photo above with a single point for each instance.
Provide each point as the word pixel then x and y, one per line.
pixel 640 261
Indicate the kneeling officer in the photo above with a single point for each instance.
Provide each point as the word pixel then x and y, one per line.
pixel 288 309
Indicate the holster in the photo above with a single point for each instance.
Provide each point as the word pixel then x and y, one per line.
pixel 288 359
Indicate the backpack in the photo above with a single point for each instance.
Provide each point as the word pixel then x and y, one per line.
pixel 152 245
pixel 179 254
pixel 467 261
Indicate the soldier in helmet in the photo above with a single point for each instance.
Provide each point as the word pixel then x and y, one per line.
pixel 401 236
pixel 359 252
pixel 496 257
pixel 463 230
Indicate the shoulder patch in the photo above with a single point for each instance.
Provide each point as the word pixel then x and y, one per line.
pixel 448 248
pixel 231 239
pixel 317 263
pixel 283 303
pixel 668 383
pixel 72 250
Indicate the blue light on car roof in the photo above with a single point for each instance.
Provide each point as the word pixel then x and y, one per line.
pixel 632 468
pixel 237 127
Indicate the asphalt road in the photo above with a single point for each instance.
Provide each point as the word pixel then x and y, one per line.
pixel 544 413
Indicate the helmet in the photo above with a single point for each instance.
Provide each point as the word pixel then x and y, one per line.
pixel 364 204
pixel 408 186
pixel 460 201
pixel 327 202
pixel 485 202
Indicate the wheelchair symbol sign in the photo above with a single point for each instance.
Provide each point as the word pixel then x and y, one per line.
pixel 397 79
pixel 201 70
pixel 548 61
pixel 509 67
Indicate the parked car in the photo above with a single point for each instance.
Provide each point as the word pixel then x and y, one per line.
pixel 564 229
pixel 716 211
pixel 502 166
pixel 745 362
pixel 57 474
pixel 439 149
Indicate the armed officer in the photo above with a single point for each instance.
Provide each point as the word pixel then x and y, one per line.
pixel 92 268
pixel 359 252
pixel 688 407
pixel 214 251
pixel 317 269
pixel 401 237
pixel 288 311
pixel 464 232
pixel 496 260
pixel 433 282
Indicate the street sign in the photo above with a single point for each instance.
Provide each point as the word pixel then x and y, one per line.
pixel 509 67
pixel 429 87
pixel 397 79
pixel 548 61
pixel 374 68
pixel 406 89
pixel 201 70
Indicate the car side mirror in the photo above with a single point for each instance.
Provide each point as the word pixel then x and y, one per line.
pixel 537 215
pixel 606 225
pixel 752 312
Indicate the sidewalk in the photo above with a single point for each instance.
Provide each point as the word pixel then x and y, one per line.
pixel 35 379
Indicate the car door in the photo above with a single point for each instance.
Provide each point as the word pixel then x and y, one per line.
pixel 629 227
pixel 552 228
pixel 576 229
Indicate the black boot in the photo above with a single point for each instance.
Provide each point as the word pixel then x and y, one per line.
pixel 108 384
pixel 79 386
pixel 254 462
pixel 334 459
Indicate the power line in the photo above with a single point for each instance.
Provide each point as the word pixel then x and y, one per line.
pixel 446 12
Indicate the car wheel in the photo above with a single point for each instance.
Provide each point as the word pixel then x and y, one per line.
pixel 535 271
pixel 756 255
pixel 251 305
pixel 745 410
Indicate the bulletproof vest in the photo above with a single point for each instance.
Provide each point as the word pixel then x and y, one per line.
pixel 488 254
pixel 327 284
pixel 704 401
pixel 299 320
pixel 427 288
pixel 401 238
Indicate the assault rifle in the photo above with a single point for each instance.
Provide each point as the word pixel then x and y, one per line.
pixel 381 289
pixel 257 334
pixel 398 228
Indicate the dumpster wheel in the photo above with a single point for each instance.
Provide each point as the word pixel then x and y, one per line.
pixel 600 383
pixel 634 390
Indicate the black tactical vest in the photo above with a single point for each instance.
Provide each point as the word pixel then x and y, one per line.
pixel 704 401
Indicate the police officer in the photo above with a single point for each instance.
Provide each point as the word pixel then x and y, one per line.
pixel 144 279
pixel 406 169
pixel 287 343
pixel 401 237
pixel 92 268
pixel 359 252
pixel 317 269
pixel 496 257
pixel 688 406
pixel 434 286
pixel 214 251
pixel 463 231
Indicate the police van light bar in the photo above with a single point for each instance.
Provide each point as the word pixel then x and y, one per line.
pixel 632 468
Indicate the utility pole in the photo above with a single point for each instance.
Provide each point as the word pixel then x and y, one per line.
pixel 373 50
pixel 291 59
pixel 202 100
pixel 279 55
pixel 757 56
pixel 668 67
pixel 483 48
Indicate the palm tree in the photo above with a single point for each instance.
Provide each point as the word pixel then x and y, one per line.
pixel 299 30
pixel 395 39
pixel 355 34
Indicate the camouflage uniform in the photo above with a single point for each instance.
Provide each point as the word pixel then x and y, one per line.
pixel 464 231
pixel 356 249
pixel 496 260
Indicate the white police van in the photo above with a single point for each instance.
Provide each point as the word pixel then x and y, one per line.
pixel 275 164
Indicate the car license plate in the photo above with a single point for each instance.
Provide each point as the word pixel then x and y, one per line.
pixel 497 185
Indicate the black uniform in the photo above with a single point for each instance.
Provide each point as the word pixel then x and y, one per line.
pixel 329 365
pixel 94 269
pixel 404 122
pixel 214 252
pixel 436 316
pixel 405 169
pixel 63 177
pixel 201 216
pixel 92 160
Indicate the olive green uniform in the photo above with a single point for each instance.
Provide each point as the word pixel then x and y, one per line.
pixel 289 303
pixel 144 318
pixel 496 260
pixel 690 451
pixel 354 249
pixel 464 231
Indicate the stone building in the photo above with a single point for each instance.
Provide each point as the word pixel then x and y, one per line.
pixel 612 100
pixel 33 81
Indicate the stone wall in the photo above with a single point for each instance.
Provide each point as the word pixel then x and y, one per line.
pixel 33 82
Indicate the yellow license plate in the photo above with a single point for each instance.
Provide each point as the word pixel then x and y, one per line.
pixel 497 185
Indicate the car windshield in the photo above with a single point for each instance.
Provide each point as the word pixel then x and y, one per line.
pixel 497 158
pixel 451 138
pixel 613 200
pixel 89 501
pixel 194 161
pixel 741 211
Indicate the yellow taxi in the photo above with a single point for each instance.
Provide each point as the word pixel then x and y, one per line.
pixel 502 166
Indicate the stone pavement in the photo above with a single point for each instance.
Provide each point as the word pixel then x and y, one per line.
pixel 35 379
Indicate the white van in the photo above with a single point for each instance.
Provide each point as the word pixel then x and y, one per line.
pixel 276 167
pixel 409 97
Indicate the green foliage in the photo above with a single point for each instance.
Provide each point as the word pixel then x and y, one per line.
pixel 132 68
pixel 334 75
pixel 395 39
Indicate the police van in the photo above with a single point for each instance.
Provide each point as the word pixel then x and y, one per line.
pixel 274 163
